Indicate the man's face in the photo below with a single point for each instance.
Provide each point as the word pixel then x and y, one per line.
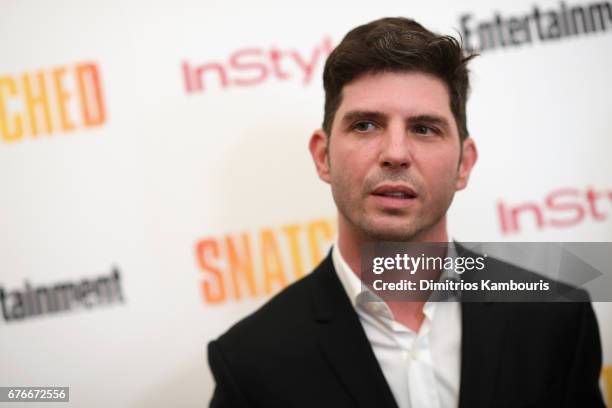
pixel 392 158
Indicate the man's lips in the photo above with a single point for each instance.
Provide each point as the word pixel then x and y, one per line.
pixel 397 191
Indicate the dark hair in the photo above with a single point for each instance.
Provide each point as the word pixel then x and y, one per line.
pixel 397 44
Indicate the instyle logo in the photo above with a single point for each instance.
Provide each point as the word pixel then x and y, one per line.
pixel 561 208
pixel 536 25
pixel 51 100
pixel 253 264
pixel 255 66
pixel 61 297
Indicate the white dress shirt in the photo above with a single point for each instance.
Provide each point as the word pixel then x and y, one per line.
pixel 422 368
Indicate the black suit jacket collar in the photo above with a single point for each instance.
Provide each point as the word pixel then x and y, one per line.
pixel 346 347
pixel 343 341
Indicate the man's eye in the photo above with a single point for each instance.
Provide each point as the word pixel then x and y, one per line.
pixel 364 126
pixel 424 130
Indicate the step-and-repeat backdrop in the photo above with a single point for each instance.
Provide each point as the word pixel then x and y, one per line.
pixel 156 184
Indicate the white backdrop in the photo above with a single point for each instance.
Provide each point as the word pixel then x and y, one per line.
pixel 204 198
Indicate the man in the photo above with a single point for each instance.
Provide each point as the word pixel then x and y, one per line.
pixel 394 147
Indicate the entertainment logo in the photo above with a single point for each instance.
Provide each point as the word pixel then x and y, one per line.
pixel 548 25
pixel 65 296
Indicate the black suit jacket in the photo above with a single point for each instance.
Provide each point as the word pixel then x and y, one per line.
pixel 306 348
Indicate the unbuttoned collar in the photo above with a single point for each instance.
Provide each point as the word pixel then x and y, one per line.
pixel 361 296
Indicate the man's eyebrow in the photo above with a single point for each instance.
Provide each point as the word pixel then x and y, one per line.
pixel 354 115
pixel 430 119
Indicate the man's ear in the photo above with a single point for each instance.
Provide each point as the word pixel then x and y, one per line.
pixel 468 159
pixel 319 152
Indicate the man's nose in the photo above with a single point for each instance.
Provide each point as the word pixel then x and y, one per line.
pixel 395 151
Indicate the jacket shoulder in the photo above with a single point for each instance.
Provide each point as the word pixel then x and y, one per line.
pixel 285 317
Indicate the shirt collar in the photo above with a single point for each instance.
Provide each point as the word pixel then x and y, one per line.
pixel 350 282
pixel 359 294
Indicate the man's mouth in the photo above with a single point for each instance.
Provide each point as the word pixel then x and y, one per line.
pixel 395 191
pixel 395 194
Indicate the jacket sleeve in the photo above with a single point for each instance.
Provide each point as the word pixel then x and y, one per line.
pixel 226 394
pixel 583 383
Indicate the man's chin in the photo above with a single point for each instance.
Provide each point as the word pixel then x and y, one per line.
pixel 398 233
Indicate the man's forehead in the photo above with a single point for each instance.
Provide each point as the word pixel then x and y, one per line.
pixel 410 93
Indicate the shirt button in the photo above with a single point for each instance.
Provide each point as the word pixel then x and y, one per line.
pixel 414 354
pixel 374 307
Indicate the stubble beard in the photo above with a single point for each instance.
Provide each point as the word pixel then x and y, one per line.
pixel 411 227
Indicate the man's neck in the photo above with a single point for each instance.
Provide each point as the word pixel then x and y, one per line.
pixel 350 243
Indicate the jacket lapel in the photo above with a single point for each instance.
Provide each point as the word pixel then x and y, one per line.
pixel 482 334
pixel 344 343
pixel 481 343
pixel 345 346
